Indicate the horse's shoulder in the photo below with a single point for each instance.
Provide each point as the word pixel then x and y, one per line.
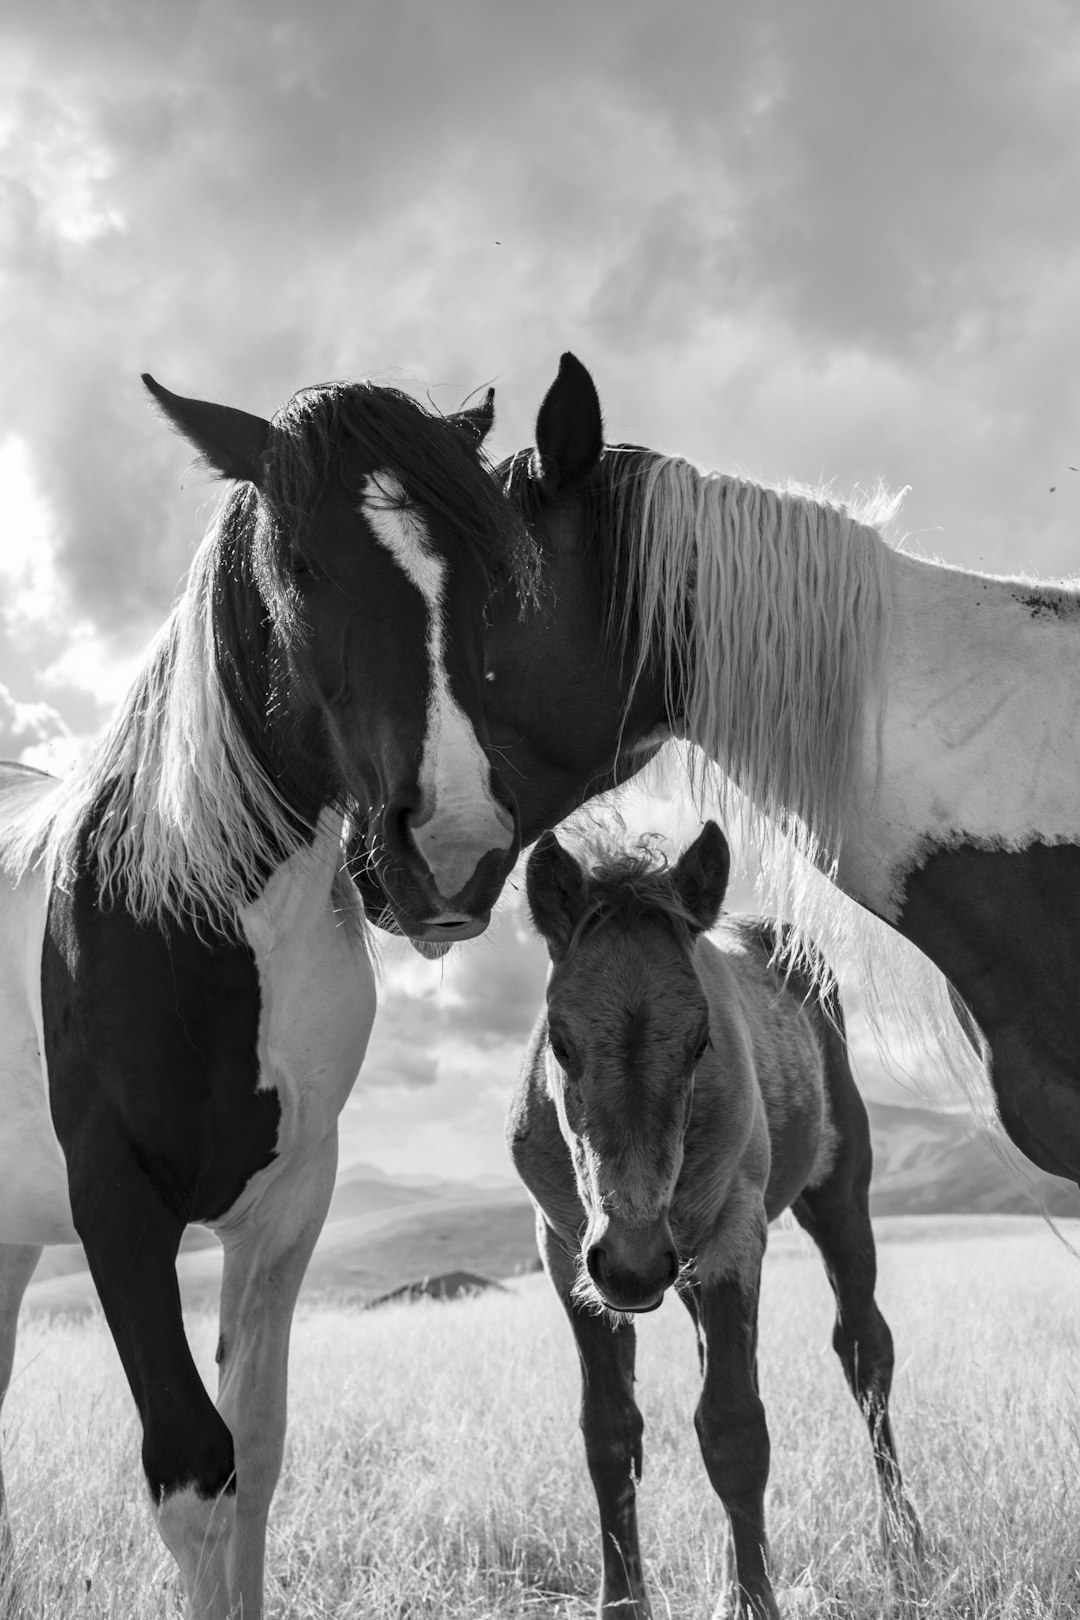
pixel 152 1048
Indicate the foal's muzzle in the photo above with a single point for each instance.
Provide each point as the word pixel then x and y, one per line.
pixel 633 1269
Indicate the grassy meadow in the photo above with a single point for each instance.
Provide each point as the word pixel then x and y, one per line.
pixel 434 1468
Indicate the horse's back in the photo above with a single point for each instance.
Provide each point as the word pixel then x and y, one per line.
pixel 780 1020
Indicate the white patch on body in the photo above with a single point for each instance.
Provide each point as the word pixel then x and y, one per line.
pixel 459 820
pixel 980 737
pixel 34 1202
pixel 317 985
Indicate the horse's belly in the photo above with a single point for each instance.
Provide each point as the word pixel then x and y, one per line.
pixel 34 1202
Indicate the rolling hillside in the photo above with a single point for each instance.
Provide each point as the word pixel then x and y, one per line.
pixel 379 1235
pixel 926 1163
pixel 384 1232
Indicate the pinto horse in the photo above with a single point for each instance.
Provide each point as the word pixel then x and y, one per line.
pixel 186 992
pixel 677 1095
pixel 912 727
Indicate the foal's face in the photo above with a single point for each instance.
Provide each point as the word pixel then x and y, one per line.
pixel 627 1024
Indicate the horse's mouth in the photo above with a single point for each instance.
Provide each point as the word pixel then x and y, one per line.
pixel 447 930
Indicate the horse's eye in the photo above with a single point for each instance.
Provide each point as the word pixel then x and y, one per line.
pixel 559 1051
pixel 702 1048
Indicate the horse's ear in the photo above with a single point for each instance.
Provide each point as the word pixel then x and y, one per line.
pixel 555 888
pixel 231 442
pixel 569 429
pixel 476 421
pixel 701 875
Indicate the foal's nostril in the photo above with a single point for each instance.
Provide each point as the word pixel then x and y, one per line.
pixel 594 1264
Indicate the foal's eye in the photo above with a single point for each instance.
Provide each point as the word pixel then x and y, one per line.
pixel 702 1047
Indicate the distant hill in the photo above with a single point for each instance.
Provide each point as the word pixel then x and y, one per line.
pixel 379 1236
pixel 926 1163
pixel 385 1233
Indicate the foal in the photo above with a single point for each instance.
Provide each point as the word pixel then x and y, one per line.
pixel 677 1095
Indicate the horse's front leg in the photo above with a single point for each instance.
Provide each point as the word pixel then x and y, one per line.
pixel 730 1422
pixel 17 1262
pixel 611 1425
pixel 265 1261
pixel 131 1237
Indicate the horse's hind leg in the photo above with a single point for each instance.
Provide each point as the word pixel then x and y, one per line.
pixel 836 1214
pixel 611 1425
pixel 17 1262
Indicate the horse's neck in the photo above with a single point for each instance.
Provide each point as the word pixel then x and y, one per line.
pixel 976 739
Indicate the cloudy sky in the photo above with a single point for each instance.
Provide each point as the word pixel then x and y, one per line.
pixel 805 239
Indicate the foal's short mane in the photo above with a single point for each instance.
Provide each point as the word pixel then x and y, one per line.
pixel 627 885
pixel 184 810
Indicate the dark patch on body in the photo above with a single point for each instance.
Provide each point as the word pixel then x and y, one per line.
pixel 1003 925
pixel 1046 603
pixel 151 1036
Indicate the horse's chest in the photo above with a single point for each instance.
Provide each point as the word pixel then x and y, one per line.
pixel 317 1006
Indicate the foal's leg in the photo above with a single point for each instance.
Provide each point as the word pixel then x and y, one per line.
pixel 264 1267
pixel 17 1262
pixel 836 1215
pixel 730 1420
pixel 611 1424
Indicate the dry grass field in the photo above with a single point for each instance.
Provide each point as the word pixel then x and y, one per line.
pixel 434 1466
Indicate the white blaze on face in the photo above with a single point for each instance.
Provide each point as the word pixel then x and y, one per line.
pixel 459 820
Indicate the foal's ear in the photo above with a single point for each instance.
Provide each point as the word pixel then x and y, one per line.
pixel 701 875
pixel 555 888
pixel 569 429
pixel 231 442
pixel 476 421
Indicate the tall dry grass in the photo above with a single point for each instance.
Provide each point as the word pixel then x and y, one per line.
pixel 434 1467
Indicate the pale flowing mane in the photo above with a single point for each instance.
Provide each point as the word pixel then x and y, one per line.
pixel 186 816
pixel 769 610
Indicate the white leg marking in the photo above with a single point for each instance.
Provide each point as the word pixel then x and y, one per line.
pixel 459 819
pixel 196 1531
pixel 265 1261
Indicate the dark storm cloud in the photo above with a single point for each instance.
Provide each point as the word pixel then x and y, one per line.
pixel 246 197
